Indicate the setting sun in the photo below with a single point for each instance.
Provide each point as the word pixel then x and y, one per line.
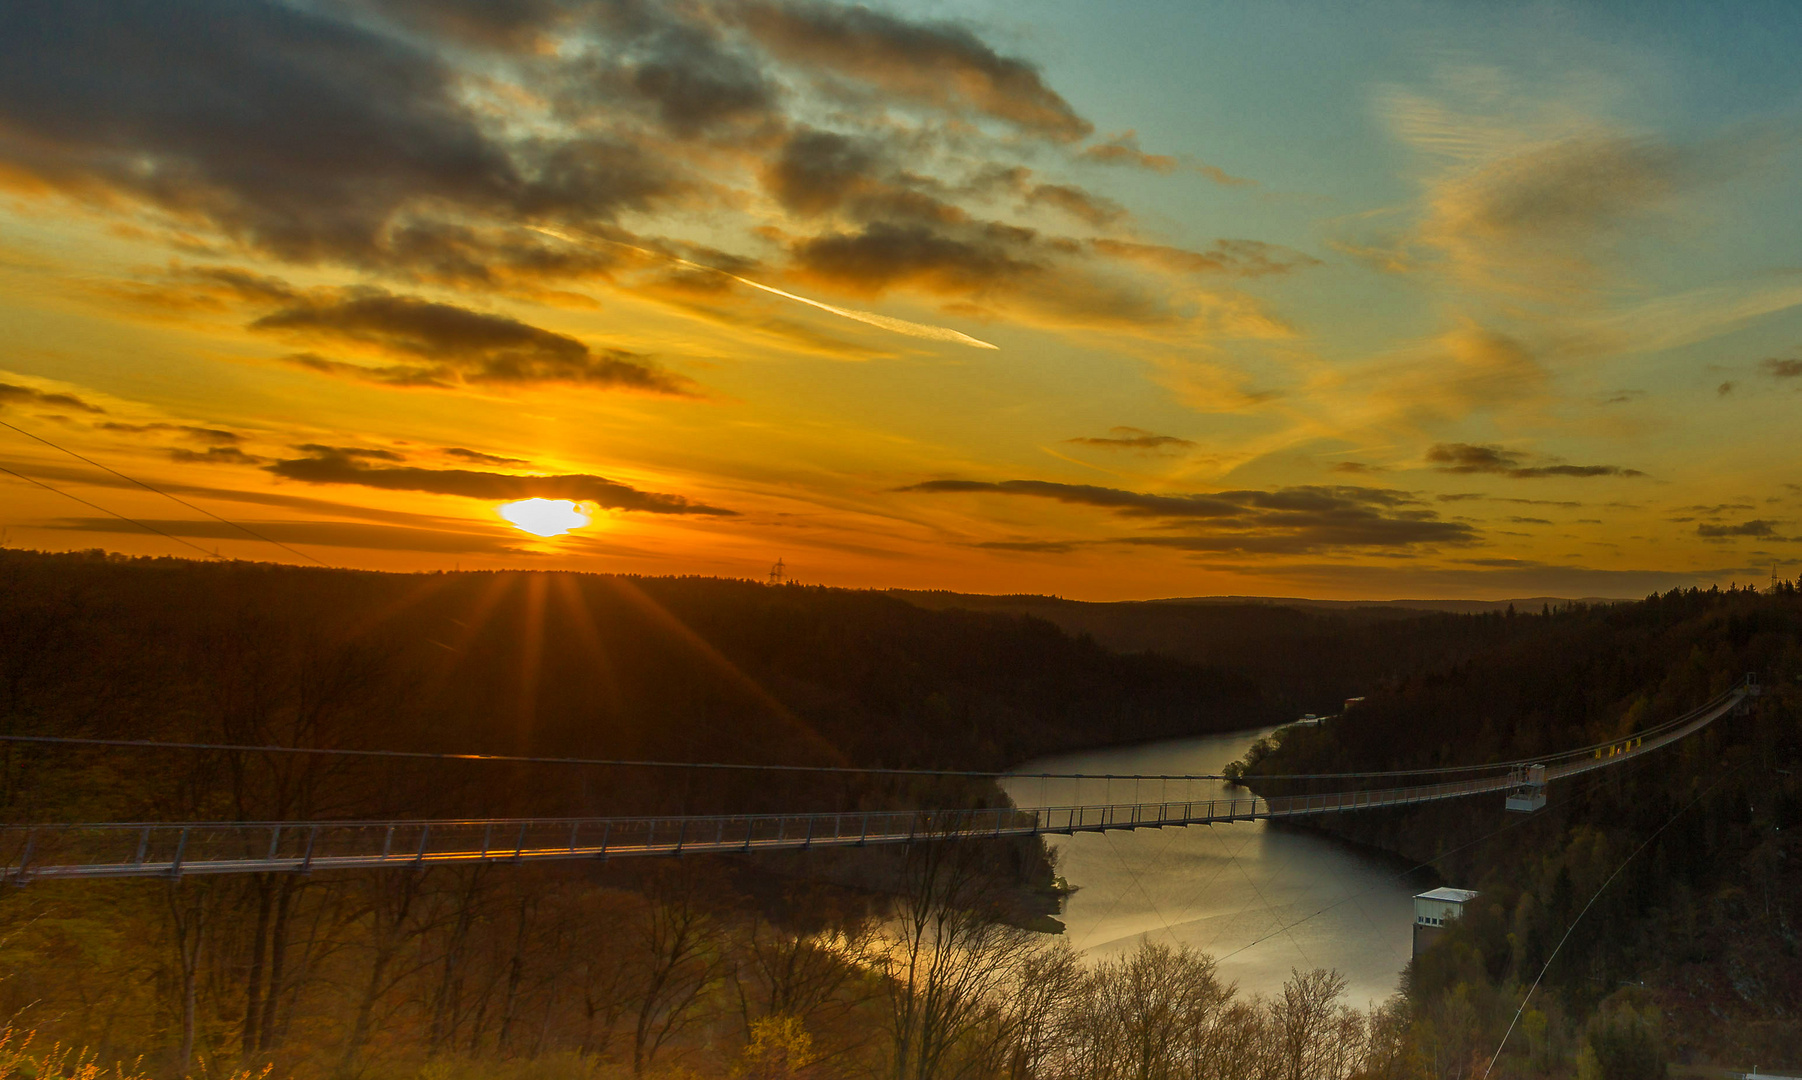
pixel 544 517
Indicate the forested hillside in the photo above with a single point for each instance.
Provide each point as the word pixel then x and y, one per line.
pixel 675 669
pixel 628 968
pixel 1304 657
pixel 905 964
pixel 1692 950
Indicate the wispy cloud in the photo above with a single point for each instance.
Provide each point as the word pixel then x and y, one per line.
pixel 1286 520
pixel 1134 439
pixel 446 346
pixel 54 399
pixel 1472 458
pixel 1123 149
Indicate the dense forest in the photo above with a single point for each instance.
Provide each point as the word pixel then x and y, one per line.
pixel 1685 867
pixel 1305 657
pixel 640 969
pixel 671 669
pixel 908 964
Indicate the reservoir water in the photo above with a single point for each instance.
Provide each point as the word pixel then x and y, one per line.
pixel 1251 894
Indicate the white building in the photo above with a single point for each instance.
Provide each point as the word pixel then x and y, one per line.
pixel 1434 910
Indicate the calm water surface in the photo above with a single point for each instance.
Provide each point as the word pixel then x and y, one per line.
pixel 1220 888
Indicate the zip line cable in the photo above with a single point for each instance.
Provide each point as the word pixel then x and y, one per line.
pixel 524 759
pixel 104 510
pixel 1598 895
pixel 527 759
pixel 1411 870
pixel 1591 790
pixel 197 509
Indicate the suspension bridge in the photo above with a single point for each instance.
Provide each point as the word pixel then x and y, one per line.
pixel 173 849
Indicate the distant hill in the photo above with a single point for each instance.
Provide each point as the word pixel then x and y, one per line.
pixel 981 601
pixel 593 665
pixel 1463 607
pixel 1305 655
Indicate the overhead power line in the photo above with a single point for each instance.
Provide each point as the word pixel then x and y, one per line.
pixel 247 530
pixel 104 510
pixel 1656 833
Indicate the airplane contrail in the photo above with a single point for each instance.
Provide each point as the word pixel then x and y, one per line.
pixel 884 322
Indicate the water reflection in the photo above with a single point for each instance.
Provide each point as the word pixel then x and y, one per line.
pixel 1220 888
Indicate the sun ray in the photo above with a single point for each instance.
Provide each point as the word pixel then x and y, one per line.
pixel 531 655
pixel 664 618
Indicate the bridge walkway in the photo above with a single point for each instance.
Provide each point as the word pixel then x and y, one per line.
pixel 155 849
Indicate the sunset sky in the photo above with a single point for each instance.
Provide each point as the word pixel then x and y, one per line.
pixel 1102 300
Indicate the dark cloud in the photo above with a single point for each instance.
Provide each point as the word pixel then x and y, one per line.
pixel 1725 388
pixel 884 254
pixel 332 134
pixel 216 436
pixel 1218 504
pixel 1380 534
pixel 25 395
pixel 1234 258
pixel 254 497
pixel 215 455
pixel 315 533
pixel 1469 458
pixel 819 172
pixel 1780 368
pixel 816 171
pixel 1717 508
pixel 1361 467
pixel 444 345
pixel 939 64
pixel 367 453
pixel 1132 438
pixel 1483 577
pixel 495 487
pixel 507 146
pixel 496 24
pixel 1744 528
pixel 479 458
pixel 1285 521
pixel 685 69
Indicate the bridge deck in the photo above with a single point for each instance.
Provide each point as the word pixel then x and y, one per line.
pixel 170 850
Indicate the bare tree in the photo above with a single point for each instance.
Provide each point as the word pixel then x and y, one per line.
pixel 1315 1037
pixel 681 961
pixel 1048 985
pixel 1145 1016
pixel 814 974
pixel 189 911
pixel 396 917
pixel 950 955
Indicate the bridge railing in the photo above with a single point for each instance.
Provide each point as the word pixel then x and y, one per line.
pixel 29 852
pixel 148 848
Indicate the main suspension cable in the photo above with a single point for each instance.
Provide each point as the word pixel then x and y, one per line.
pixel 618 763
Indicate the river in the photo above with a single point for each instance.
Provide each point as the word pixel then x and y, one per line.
pixel 1222 888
